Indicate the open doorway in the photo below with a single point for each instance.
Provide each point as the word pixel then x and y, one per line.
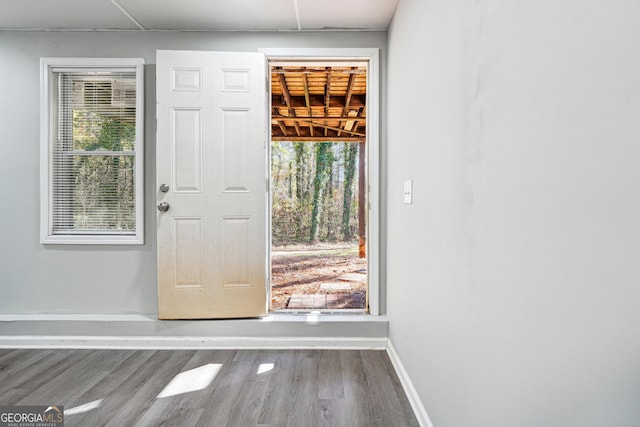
pixel 318 186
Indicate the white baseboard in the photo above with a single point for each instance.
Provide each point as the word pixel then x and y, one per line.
pixel 409 389
pixel 78 317
pixel 192 343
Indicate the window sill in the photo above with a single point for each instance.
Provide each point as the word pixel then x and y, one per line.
pixel 91 240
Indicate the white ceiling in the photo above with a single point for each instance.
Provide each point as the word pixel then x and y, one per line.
pixel 196 15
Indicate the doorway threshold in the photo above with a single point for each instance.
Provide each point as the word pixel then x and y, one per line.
pixel 327 301
pixel 327 311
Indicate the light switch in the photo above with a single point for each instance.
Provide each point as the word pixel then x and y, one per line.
pixel 408 192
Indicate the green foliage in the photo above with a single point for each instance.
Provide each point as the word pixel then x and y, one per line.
pixel 92 131
pixel 103 185
pixel 295 173
pixel 103 194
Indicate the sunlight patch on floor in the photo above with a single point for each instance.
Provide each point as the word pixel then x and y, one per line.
pixel 83 408
pixel 192 380
pixel 265 367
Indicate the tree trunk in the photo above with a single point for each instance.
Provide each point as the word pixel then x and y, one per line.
pixel 323 155
pixel 329 223
pixel 289 181
pixel 350 153
pixel 300 149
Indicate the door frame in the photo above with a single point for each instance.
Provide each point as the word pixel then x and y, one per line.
pixel 372 55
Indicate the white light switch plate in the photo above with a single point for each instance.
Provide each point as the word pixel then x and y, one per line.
pixel 408 192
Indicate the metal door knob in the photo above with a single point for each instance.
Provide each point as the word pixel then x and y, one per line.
pixel 163 206
pixel 164 188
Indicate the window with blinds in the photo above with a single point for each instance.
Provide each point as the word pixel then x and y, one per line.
pixel 93 151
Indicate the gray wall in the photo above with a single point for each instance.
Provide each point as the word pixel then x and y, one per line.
pixel 94 279
pixel 514 278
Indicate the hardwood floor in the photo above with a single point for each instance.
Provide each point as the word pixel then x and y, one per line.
pixel 208 387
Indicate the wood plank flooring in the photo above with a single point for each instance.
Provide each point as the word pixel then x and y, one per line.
pixel 297 388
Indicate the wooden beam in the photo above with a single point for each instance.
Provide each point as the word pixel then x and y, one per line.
pixel 332 135
pixel 348 125
pixel 287 99
pixel 353 114
pixel 347 98
pixel 336 101
pixel 363 113
pixel 283 128
pixel 327 96
pixel 340 130
pixel 305 83
pixel 285 90
pixel 354 70
pixel 319 138
pixel 305 118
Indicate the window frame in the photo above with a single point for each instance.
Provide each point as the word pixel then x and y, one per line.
pixel 47 65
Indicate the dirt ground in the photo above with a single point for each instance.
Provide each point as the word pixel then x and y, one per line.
pixel 304 269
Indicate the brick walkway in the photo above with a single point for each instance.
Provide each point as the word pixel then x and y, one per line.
pixel 325 301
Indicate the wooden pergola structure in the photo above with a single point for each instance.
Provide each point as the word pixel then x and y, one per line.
pixel 326 102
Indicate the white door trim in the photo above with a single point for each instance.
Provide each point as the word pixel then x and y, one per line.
pixel 373 141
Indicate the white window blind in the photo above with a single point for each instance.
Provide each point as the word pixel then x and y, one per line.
pixel 93 145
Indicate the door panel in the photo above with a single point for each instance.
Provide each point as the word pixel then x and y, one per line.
pixel 235 147
pixel 186 144
pixel 187 239
pixel 211 142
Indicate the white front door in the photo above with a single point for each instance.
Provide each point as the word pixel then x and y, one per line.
pixel 211 178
